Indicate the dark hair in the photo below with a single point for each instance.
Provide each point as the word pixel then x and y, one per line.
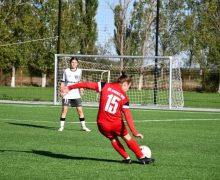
pixel 74 58
pixel 124 78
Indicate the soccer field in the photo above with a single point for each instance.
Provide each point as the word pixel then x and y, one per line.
pixel 191 99
pixel 186 145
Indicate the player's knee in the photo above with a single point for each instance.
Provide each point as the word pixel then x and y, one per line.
pixel 127 137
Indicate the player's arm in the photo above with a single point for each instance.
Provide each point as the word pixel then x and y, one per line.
pixel 63 81
pixel 130 122
pixel 88 85
pixel 81 90
pixel 62 85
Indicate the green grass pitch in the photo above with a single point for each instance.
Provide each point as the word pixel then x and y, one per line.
pixel 191 99
pixel 186 145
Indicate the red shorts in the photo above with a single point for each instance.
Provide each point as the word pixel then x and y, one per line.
pixel 111 130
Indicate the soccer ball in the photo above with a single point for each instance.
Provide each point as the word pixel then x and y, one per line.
pixel 146 151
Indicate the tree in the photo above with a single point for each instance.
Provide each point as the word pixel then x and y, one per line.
pixel 172 14
pixel 79 31
pixel 14 20
pixel 142 33
pixel 70 30
pixel 209 34
pixel 89 26
pixel 192 27
pixel 201 36
pixel 31 26
pixel 120 36
pixel 41 59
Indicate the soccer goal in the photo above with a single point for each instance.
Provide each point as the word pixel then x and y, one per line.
pixel 156 79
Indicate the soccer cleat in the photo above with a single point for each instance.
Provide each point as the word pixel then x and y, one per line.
pixel 85 129
pixel 127 161
pixel 146 160
pixel 61 129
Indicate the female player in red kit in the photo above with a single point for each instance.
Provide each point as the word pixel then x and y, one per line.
pixel 113 101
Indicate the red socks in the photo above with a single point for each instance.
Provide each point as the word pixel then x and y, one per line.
pixel 133 145
pixel 119 148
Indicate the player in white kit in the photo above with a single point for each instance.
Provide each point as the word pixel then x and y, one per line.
pixel 71 76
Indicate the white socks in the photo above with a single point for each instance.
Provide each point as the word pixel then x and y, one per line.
pixel 83 123
pixel 62 124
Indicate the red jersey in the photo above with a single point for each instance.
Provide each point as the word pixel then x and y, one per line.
pixel 113 101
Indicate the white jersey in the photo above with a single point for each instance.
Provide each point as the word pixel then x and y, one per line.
pixel 71 77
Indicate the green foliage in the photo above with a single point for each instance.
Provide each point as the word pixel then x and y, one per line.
pixel 79 32
pixel 192 27
pixel 170 27
pixel 118 29
pixel 141 22
pixel 31 28
pixel 137 34
pixel 210 81
pixel 88 42
pixel 200 35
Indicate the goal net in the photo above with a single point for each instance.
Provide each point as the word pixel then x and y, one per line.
pixel 156 79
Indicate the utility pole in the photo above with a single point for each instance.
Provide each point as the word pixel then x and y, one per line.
pixel 59 26
pixel 156 52
pixel 58 40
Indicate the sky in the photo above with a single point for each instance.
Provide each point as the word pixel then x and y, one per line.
pixel 105 20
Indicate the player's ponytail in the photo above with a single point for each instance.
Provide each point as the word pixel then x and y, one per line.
pixel 124 78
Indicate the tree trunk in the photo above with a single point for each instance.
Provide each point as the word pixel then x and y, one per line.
pixel 123 18
pixel 122 40
pixel 148 23
pixel 84 7
pixel 140 82
pixel 44 80
pixel 13 76
pixel 219 84
pixel 21 77
pixel 1 75
pixel 122 53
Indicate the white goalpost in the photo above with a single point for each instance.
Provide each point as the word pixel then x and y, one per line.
pixel 156 82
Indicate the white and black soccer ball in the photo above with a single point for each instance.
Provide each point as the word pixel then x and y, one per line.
pixel 146 151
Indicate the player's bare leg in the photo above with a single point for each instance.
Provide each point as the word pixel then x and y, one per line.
pixel 82 119
pixel 63 117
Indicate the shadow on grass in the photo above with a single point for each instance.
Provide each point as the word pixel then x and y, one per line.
pixel 63 156
pixel 35 126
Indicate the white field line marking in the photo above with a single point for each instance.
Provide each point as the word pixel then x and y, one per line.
pixel 135 121
pixel 133 109
pixel 36 121
pixel 172 120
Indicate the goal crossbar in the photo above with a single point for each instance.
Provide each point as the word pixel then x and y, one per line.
pixel 111 56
